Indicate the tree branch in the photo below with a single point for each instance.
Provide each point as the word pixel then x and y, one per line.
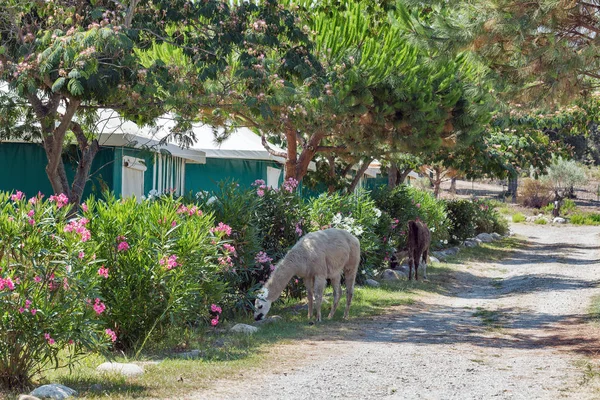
pixel 271 151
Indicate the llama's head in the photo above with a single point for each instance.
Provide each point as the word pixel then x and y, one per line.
pixel 261 305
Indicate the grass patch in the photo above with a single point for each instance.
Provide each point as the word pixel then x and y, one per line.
pixel 518 217
pixel 225 355
pixel 585 219
pixel 492 320
pixel 540 221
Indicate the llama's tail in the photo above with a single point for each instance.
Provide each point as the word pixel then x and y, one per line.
pixel 413 228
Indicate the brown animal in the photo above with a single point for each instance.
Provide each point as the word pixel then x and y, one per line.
pixel 419 240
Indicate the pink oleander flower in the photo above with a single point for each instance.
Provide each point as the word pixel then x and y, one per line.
pixel 290 184
pixel 7 283
pixel 215 308
pixel 258 182
pixel 103 272
pixel 99 307
pixel 78 226
pixel 31 213
pixel 123 246
pixel 226 261
pixel 298 229
pixel 214 321
pixel 221 227
pixel 84 207
pixel 173 224
pixel 81 255
pixel 272 267
pixel 260 192
pixel 21 310
pixel 17 196
pixel 49 339
pixel 27 303
pixel 262 258
pixel 33 311
pixel 11 219
pixel 229 248
pixel 169 262
pixel 418 205
pixel 61 200
pixel 31 222
pixel 111 334
pixel 37 279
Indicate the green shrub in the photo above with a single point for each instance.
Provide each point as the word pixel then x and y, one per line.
pixel 162 264
pixel 461 214
pixel 585 219
pixel 541 221
pixel 568 206
pixel 488 219
pixel 50 301
pixel 518 217
pixel 405 203
pixel 357 214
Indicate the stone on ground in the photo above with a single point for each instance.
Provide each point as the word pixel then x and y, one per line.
pixel 496 236
pixel 125 369
pixel 53 391
pixel 390 275
pixel 485 237
pixel 243 328
pixel 470 243
pixel 28 397
pixel 433 259
pixel 372 283
pixel 268 320
pixel 559 220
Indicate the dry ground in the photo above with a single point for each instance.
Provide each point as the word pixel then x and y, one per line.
pixel 513 329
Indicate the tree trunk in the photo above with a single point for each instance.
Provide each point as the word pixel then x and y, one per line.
pixel 402 176
pixel 359 174
pixel 392 176
pixel 331 172
pixel 513 184
pixel 453 185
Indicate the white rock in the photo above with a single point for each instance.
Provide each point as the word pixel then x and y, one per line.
pixel 559 220
pixel 485 237
pixel 372 283
pixel 28 397
pixel 53 391
pixel 433 259
pixel 243 328
pixel 121 368
pixel 470 243
pixel 496 236
pixel 390 275
pixel 530 219
pixel 439 254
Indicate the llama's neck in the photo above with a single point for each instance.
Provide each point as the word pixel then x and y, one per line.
pixel 279 279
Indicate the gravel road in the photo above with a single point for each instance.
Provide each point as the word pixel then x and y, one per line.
pixel 513 329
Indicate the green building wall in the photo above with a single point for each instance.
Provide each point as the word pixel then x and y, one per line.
pixel 23 167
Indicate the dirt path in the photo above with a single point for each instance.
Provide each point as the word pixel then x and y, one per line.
pixel 514 329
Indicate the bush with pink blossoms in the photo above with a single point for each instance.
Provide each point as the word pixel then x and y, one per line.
pixel 50 300
pixel 159 265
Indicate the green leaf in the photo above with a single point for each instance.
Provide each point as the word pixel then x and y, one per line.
pixel 58 84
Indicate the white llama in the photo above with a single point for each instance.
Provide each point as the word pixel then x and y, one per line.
pixel 316 257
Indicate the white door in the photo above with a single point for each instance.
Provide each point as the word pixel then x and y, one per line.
pixel 133 177
pixel 273 177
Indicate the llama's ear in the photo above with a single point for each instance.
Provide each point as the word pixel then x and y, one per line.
pixel 262 294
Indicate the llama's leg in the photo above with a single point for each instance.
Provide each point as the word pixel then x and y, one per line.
pixel 349 279
pixel 309 283
pixel 425 257
pixel 337 293
pixel 320 283
pixel 416 262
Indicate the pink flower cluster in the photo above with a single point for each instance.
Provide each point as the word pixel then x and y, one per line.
pixel 27 307
pixel 229 248
pixel 290 184
pixel 17 196
pixel 169 262
pixel 123 245
pixel 216 310
pixel 78 226
pixel 263 258
pixel 103 272
pixel 99 306
pixel 395 223
pixel 261 187
pixel 111 334
pixel 298 229
pixel 84 207
pixel 193 210
pixel 226 261
pixel 7 283
pixel 221 227
pixel 61 200
pixel 36 199
pixel 49 339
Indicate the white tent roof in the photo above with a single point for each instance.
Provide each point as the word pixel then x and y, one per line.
pixel 242 143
